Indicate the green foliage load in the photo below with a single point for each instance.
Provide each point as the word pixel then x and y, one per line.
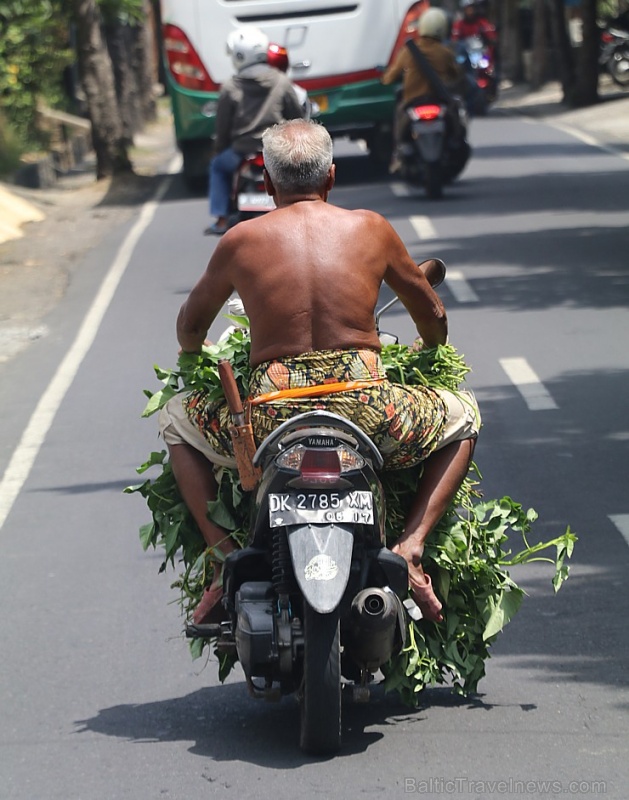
pixel 467 555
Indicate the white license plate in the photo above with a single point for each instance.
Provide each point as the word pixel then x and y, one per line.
pixel 251 201
pixel 297 508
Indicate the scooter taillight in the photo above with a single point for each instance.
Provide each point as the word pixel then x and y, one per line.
pixel 428 112
pixel 256 161
pixel 314 463
pixel 320 466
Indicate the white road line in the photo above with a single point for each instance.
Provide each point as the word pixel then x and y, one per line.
pixel 34 434
pixel 423 227
pixel 535 395
pixel 591 140
pixel 460 288
pixel 621 521
pixel 400 189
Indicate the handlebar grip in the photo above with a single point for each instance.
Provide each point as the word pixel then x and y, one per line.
pixel 230 387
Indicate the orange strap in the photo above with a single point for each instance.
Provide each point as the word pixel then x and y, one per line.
pixel 313 391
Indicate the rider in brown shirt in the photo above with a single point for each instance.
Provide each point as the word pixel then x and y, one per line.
pixel 309 274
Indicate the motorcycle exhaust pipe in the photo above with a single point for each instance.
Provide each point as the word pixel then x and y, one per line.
pixel 373 620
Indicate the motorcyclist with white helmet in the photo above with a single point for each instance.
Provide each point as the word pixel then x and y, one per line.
pixel 252 100
pixel 432 31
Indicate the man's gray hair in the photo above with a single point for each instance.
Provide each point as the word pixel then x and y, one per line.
pixel 297 155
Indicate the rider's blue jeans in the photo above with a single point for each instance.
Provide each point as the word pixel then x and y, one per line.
pixel 222 168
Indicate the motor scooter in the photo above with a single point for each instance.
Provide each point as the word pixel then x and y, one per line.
pixel 249 198
pixel 315 602
pixel 477 60
pixel 434 150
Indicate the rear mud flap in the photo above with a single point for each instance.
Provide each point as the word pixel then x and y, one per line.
pixel 321 556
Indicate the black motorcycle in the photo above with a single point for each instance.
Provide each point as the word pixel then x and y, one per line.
pixel 316 601
pixel 434 150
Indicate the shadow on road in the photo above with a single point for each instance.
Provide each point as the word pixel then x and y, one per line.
pixel 215 719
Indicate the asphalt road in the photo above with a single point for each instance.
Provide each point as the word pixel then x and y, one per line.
pixel 99 696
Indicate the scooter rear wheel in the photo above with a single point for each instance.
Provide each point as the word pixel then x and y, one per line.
pixel 433 181
pixel 321 688
pixel 619 69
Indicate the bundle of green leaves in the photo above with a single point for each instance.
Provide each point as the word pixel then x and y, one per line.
pixel 468 555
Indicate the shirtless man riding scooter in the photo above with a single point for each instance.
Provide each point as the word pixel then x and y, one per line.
pixel 309 275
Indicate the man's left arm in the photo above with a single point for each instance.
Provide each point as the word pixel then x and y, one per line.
pixel 204 302
pixel 395 71
pixel 223 121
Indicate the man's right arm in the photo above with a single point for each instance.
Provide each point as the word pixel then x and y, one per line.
pixel 205 300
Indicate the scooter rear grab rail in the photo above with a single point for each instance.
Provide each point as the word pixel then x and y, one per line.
pixel 314 421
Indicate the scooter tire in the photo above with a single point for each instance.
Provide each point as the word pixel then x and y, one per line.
pixel 619 70
pixel 433 181
pixel 320 696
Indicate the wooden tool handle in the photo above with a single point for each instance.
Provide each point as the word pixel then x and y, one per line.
pixel 230 388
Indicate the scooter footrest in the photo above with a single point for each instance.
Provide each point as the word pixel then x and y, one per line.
pixel 209 631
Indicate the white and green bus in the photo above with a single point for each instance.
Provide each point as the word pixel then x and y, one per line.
pixel 336 48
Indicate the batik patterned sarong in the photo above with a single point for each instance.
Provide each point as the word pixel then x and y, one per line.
pixel 404 422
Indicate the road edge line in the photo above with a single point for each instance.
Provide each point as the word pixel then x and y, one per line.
pixel 34 435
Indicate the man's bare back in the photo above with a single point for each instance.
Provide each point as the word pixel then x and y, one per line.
pixel 309 275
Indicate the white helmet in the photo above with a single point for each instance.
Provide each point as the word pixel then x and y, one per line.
pixel 247 46
pixel 434 23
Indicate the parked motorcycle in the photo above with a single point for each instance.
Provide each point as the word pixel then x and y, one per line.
pixel 435 149
pixel 316 602
pixel 614 55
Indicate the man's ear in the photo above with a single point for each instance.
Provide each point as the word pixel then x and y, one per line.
pixel 329 181
pixel 268 186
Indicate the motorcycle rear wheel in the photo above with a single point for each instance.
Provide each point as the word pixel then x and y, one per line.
pixel 320 699
pixel 619 70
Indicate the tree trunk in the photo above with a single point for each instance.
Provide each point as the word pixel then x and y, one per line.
pixel 586 89
pixel 144 59
pixel 539 60
pixel 98 84
pixel 510 42
pixel 563 48
pixel 120 44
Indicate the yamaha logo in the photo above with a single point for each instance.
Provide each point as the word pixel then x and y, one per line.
pixel 320 441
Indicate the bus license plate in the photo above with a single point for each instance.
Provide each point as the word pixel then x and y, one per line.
pixel 320 507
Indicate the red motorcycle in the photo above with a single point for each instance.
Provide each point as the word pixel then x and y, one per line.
pixel 477 60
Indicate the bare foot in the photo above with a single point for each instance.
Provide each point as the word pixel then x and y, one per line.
pixel 424 595
pixel 420 583
pixel 210 609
